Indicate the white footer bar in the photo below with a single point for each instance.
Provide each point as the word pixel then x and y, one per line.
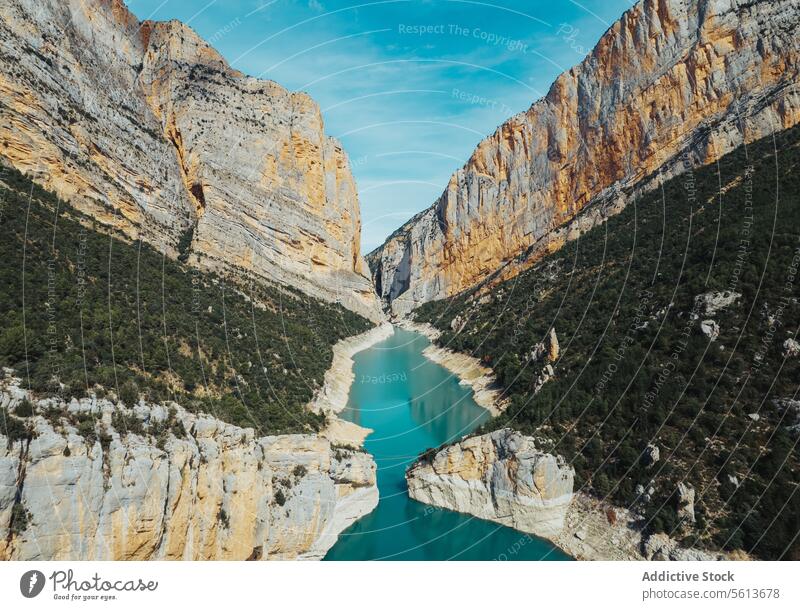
pixel 412 586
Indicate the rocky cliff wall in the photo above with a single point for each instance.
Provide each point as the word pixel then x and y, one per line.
pixel 501 477
pixel 671 85
pixel 144 127
pixel 94 480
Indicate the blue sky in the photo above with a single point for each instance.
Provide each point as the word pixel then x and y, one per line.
pixel 409 86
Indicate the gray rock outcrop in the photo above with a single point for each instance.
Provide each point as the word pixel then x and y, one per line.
pixel 660 547
pixel 711 303
pixel 500 477
pixel 685 499
pixel 791 348
pixel 710 329
pixel 196 489
pixel 651 454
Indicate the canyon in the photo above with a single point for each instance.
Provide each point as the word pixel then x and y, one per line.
pixel 670 86
pixel 145 128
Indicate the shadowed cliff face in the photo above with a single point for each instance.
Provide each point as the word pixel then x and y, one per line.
pixel 671 85
pixel 146 128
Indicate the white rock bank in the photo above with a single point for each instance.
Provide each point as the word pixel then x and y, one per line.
pixel 94 480
pixel 501 477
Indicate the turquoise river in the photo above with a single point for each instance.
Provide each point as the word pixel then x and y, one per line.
pixel 412 404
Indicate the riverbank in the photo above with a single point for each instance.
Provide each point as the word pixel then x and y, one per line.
pixel 331 399
pixel 593 530
pixel 468 369
pixel 158 482
pixel 414 404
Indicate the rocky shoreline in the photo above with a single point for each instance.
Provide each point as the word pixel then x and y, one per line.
pixel 468 369
pixel 332 397
pixel 504 477
pixel 93 479
pixel 210 490
pixel 592 530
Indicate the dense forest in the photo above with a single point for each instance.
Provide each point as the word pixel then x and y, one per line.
pixel 677 321
pixel 84 311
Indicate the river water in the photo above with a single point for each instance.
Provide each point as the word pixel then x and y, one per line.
pixel 412 404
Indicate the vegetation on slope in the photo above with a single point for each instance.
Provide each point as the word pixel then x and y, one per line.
pixel 635 366
pixel 84 311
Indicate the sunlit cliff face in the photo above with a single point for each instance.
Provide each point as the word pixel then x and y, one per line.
pixel 146 128
pixel 671 85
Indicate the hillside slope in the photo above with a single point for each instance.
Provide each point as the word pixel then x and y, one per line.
pixel 144 127
pixel 675 389
pixel 671 85
pixel 85 311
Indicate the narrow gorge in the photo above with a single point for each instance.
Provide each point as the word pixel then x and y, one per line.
pixel 586 348
pixel 187 238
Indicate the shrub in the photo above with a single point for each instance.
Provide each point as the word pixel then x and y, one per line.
pixel 24 408
pixel 20 519
pixel 86 428
pixel 14 429
pixel 129 393
pixel 124 423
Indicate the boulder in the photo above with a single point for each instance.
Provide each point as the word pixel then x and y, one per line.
pixel 651 455
pixel 710 329
pixel 791 348
pixel 686 502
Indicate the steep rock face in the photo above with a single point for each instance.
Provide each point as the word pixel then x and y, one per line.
pixel 671 85
pixel 143 126
pixel 211 492
pixel 501 477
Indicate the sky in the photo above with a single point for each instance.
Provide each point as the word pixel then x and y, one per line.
pixel 409 87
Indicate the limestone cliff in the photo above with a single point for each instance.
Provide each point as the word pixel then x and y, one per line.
pixel 501 477
pixel 143 126
pixel 90 479
pixel 671 85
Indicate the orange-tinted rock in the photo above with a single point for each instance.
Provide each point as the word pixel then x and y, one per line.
pixel 145 127
pixel 670 85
